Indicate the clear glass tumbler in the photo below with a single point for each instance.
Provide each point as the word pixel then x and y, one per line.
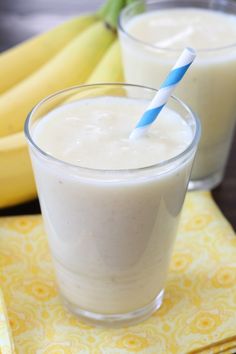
pixel 111 232
pixel 209 87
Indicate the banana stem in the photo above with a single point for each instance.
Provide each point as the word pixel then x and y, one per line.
pixel 130 2
pixel 110 11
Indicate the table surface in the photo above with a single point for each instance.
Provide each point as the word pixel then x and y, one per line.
pixel 25 18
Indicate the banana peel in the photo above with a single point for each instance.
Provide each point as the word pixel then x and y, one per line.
pixel 109 69
pixel 17 183
pixel 16 178
pixel 72 66
pixel 22 60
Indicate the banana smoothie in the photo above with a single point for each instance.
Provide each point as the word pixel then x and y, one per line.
pixel 151 42
pixel 110 204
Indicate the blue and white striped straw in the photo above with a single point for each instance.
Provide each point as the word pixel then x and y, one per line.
pixel 183 63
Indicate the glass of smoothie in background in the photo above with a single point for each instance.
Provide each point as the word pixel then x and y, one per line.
pixel 110 205
pixel 153 33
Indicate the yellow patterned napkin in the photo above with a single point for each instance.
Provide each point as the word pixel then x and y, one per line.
pixel 6 341
pixel 199 310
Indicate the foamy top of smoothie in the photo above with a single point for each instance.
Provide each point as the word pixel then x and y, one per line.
pixel 94 133
pixel 177 28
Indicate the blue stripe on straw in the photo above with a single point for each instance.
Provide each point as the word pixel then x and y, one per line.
pixel 175 76
pixel 165 91
pixel 149 116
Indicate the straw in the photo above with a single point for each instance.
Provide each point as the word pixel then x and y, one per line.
pixel 176 74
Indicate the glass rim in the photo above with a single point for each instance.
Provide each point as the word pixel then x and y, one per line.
pixel 180 156
pixel 173 50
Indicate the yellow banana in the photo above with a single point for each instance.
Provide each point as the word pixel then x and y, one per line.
pixel 109 68
pixel 16 178
pixel 70 67
pixel 22 60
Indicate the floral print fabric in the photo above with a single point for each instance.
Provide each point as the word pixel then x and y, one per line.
pixel 199 310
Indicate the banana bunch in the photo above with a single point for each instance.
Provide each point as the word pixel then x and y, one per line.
pixel 84 49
